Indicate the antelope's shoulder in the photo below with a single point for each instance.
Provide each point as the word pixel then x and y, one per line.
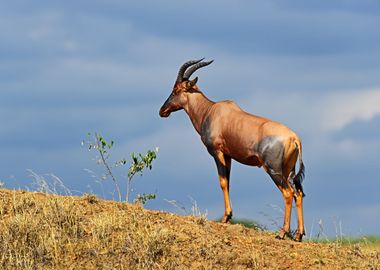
pixel 226 105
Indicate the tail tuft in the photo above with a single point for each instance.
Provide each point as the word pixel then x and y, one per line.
pixel 300 175
pixel 297 180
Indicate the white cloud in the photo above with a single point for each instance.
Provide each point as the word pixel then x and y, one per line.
pixel 323 113
pixel 342 108
pixel 316 117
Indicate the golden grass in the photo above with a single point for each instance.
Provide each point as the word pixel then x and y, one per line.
pixel 39 231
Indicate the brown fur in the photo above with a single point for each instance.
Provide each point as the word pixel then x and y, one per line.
pixel 228 133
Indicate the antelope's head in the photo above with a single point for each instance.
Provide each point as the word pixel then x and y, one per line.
pixel 183 86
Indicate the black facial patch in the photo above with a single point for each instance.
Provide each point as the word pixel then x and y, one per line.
pixel 167 101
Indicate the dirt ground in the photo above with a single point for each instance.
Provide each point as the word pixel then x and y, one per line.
pixel 40 231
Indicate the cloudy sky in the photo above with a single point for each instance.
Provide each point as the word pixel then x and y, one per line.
pixel 72 67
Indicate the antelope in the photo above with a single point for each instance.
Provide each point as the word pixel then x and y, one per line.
pixel 229 133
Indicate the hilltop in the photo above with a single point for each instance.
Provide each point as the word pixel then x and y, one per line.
pixel 41 231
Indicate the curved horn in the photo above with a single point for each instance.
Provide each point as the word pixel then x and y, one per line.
pixel 194 68
pixel 183 68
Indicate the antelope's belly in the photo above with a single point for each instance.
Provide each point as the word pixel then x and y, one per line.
pixel 250 160
pixel 244 155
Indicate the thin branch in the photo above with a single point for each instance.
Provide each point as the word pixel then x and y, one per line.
pixel 107 167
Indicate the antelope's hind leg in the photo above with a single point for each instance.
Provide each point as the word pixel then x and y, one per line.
pixel 223 164
pixel 294 190
pixel 287 193
pixel 298 197
pixel 294 182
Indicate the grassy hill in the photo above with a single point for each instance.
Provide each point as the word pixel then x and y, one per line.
pixel 40 231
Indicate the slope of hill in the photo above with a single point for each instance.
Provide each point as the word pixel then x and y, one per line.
pixel 40 231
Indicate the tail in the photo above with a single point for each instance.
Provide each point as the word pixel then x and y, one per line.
pixel 297 180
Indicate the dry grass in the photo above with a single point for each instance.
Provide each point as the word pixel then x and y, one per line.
pixel 39 231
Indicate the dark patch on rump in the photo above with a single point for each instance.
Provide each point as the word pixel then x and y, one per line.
pixel 271 151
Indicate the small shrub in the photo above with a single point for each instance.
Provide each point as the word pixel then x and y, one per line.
pixel 138 162
pixel 142 199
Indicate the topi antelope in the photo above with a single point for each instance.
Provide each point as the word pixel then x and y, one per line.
pixel 228 133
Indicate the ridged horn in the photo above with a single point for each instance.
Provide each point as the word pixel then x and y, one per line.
pixel 183 68
pixel 194 68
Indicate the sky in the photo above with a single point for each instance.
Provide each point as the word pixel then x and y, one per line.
pixel 72 67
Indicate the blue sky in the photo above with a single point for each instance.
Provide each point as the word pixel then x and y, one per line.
pixel 72 67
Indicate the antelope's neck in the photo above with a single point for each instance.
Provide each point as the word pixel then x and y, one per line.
pixel 197 108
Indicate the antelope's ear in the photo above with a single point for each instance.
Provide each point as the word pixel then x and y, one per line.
pixel 191 83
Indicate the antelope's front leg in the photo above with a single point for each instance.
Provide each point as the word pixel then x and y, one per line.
pixel 223 164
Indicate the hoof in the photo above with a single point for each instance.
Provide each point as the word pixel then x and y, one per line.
pixel 282 234
pixel 298 237
pixel 227 218
pixel 280 237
